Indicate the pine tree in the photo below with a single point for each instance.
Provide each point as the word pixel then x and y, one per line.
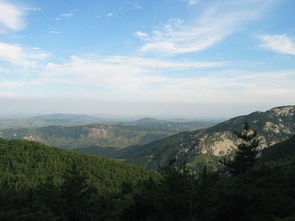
pixel 246 153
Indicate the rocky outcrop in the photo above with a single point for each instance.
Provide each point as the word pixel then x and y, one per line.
pixel 273 126
pixel 102 133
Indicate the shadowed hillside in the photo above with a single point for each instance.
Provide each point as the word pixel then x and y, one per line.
pixel 38 182
pixel 205 146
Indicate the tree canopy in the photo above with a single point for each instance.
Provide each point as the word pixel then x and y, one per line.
pixel 246 153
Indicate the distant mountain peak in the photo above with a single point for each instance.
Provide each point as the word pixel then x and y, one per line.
pixel 283 110
pixel 272 126
pixel 146 119
pixel 64 116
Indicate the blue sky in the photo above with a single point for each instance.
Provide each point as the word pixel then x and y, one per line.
pixel 200 58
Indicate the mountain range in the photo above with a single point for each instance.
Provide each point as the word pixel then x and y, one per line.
pixel 39 182
pixel 207 146
pixel 153 143
pixel 103 135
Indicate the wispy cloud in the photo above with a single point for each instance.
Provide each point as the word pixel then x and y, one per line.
pixel 7 94
pixel 64 15
pixel 135 5
pixel 10 84
pixel 18 55
pixel 192 2
pixel 11 16
pixel 33 9
pixel 142 35
pixel 118 73
pixel 217 21
pixel 55 32
pixel 110 14
pixel 279 43
pixel 138 78
pixel 155 80
pixel 115 12
pixel 67 14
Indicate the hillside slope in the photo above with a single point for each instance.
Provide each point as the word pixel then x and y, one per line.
pixel 38 182
pixel 272 126
pixel 103 135
pixel 30 163
pixel 279 151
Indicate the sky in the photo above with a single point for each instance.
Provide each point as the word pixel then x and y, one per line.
pixel 189 58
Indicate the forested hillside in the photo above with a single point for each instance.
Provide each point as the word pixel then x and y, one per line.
pixel 38 182
pixel 279 151
pixel 206 146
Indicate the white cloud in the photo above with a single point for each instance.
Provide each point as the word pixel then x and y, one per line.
pixel 110 14
pixel 217 21
pixel 142 35
pixel 33 9
pixel 152 64
pixel 279 43
pixel 10 84
pixel 4 70
pixel 138 79
pixel 192 2
pixel 66 14
pixel 55 32
pixel 118 73
pixel 11 16
pixel 18 55
pixel 7 94
pixel 135 5
pixel 132 79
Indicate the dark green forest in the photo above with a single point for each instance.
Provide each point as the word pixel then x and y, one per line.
pixel 39 182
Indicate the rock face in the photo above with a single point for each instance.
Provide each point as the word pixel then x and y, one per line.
pixel 32 138
pixel 217 144
pixel 283 111
pixel 103 133
pixel 272 126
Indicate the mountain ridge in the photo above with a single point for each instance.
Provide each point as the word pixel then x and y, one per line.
pixel 116 135
pixel 273 126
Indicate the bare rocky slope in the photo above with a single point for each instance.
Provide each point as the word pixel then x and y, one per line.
pixel 206 146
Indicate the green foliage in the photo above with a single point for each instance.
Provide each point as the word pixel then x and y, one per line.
pixel 246 153
pixel 170 198
pixel 38 182
pixel 157 153
pixel 208 161
pixel 273 126
pixel 279 151
pixel 264 193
